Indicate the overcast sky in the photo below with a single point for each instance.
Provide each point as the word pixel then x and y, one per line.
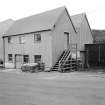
pixel 15 9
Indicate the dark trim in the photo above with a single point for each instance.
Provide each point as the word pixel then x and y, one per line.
pixel 71 20
pixel 66 33
pixel 28 33
pixel 3 52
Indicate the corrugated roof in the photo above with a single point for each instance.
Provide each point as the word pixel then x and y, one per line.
pixel 77 20
pixel 42 21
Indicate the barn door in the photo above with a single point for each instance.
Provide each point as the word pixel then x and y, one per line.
pixel 96 55
pixel 102 55
pixel 93 56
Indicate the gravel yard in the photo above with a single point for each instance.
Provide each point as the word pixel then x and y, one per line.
pixel 52 88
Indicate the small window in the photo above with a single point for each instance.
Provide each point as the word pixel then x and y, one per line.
pixel 37 58
pixel 10 57
pixel 26 58
pixel 21 39
pixel 37 37
pixel 9 39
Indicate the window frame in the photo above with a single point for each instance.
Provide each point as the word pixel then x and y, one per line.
pixel 20 39
pixel 9 39
pixel 36 60
pixel 37 37
pixel 25 59
pixel 10 57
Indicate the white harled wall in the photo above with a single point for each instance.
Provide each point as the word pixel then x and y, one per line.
pixel 31 48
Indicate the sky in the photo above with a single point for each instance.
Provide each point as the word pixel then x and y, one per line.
pixel 16 9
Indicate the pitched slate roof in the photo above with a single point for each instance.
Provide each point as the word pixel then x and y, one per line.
pixel 77 20
pixel 42 21
pixel 98 36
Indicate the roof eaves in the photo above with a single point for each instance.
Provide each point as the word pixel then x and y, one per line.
pixel 27 33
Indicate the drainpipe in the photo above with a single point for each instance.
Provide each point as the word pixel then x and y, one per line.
pixel 3 52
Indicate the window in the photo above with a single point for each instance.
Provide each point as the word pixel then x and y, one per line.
pixel 37 58
pixel 26 58
pixel 37 37
pixel 9 39
pixel 21 39
pixel 10 57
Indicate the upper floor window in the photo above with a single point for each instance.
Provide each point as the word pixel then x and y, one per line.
pixel 10 39
pixel 22 39
pixel 37 37
pixel 10 57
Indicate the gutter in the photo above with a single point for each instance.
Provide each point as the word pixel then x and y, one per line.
pixel 3 52
pixel 27 33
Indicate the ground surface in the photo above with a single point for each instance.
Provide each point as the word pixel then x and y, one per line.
pixel 52 88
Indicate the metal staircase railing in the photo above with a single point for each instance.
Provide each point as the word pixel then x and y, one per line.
pixel 67 63
pixel 64 56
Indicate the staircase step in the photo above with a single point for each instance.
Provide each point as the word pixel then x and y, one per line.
pixel 55 67
pixel 65 60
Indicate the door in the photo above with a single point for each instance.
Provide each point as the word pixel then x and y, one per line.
pixel 102 55
pixel 93 55
pixel 96 55
pixel 18 61
pixel 67 39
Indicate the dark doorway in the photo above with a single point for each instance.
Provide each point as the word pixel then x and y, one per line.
pixel 95 55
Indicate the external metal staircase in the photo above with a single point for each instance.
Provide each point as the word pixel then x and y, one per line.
pixel 65 62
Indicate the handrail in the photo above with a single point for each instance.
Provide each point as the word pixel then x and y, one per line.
pixel 65 55
pixel 68 57
pixel 63 58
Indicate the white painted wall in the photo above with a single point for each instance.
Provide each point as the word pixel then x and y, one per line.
pixel 4 26
pixel 59 39
pixel 31 48
pixel 84 35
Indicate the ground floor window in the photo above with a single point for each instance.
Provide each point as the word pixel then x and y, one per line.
pixel 26 58
pixel 10 58
pixel 37 58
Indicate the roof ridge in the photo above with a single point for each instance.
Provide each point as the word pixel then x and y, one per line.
pixel 37 22
pixel 39 13
pixel 78 20
pixel 83 13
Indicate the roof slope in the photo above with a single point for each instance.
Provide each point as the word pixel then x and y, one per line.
pixel 42 21
pixel 77 20
pixel 5 25
pixel 98 36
